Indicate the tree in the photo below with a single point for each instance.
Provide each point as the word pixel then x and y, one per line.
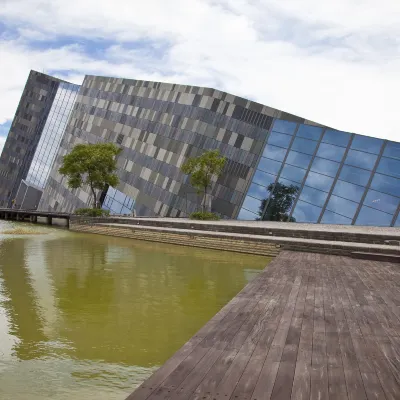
pixel 202 169
pixel 280 203
pixel 93 165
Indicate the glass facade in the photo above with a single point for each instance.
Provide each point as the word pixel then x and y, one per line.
pixel 117 202
pixel 52 134
pixel 320 175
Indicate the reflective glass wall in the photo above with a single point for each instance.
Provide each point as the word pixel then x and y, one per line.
pixel 52 134
pixel 319 175
pixel 117 202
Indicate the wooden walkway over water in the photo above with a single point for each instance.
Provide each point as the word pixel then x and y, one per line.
pixel 310 326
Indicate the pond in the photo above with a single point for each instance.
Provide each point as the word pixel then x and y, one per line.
pixel 90 317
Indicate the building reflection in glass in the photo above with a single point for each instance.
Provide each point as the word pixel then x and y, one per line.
pixel 332 172
pixel 52 134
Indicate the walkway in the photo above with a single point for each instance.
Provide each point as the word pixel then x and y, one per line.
pixel 310 326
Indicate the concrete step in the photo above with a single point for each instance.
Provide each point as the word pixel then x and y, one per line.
pixel 353 234
pixel 258 241
pixel 180 238
pixel 394 258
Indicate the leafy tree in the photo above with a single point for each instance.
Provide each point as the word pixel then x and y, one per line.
pixel 93 165
pixel 280 203
pixel 202 169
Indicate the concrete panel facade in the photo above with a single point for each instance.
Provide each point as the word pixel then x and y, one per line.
pixel 158 126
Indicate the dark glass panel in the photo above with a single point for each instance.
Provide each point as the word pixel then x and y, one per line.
pixel 318 181
pixel 365 143
pixel 252 204
pixel 298 159
pixel 313 196
pixel 342 206
pixel 257 191
pixel 330 217
pixel 263 179
pixel 325 166
pixel 392 149
pixel 389 166
pixel 269 165
pixel 247 215
pixel 275 153
pixel 304 145
pixel 331 152
pixel 338 138
pixel 284 126
pixel 354 175
pixel 369 216
pixel 281 201
pixel 305 212
pixel 348 190
pixel 381 201
pixel 386 184
pixel 279 139
pixel 309 132
pixel 397 223
pixel 293 173
pixel 360 159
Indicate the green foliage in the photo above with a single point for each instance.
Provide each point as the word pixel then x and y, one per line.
pixel 205 216
pixel 202 169
pixel 280 203
pixel 92 212
pixel 93 165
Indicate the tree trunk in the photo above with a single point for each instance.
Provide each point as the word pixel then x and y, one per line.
pixel 94 196
pixel 205 199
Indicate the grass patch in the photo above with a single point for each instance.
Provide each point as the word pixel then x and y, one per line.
pixel 204 216
pixel 92 212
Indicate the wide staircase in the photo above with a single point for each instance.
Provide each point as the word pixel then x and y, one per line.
pixel 256 237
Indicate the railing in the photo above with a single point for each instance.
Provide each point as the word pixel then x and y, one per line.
pixel 29 212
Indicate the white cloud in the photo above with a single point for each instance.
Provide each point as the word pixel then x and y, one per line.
pixel 333 62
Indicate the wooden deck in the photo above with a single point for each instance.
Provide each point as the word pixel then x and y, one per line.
pixel 310 326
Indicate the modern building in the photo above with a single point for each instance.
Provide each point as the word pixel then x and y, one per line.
pixel 279 166
pixel 34 139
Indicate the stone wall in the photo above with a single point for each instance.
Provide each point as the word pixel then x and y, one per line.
pixel 194 239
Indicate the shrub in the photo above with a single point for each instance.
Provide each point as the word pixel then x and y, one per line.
pixel 204 216
pixel 92 212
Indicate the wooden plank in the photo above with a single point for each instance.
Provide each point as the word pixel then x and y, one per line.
pixel 302 382
pixel 319 382
pixel 354 384
pixel 337 383
pixel 309 326
pixel 284 381
pixel 266 380
pixel 233 375
pixel 372 386
pixel 390 384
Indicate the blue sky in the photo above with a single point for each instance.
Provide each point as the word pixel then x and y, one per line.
pixel 335 62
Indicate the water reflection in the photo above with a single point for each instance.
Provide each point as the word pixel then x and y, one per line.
pixel 87 316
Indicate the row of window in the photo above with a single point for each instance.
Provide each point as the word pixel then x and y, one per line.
pixel 331 136
pixel 338 210
pixel 298 191
pixel 330 152
pixel 322 173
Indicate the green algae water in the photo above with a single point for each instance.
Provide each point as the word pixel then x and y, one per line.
pixel 90 317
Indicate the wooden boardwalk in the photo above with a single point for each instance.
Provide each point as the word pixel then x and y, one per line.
pixel 310 326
